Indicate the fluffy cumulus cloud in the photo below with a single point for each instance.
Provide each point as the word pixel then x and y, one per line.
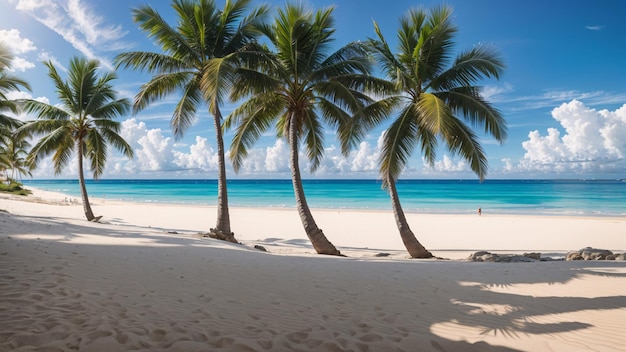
pixel 158 155
pixel 18 46
pixel 201 156
pixel 449 164
pixel 153 151
pixel 592 141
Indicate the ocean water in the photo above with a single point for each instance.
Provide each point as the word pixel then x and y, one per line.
pixel 539 197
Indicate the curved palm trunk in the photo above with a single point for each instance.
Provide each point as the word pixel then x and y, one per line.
pixel 316 236
pixel 413 246
pixel 83 188
pixel 222 228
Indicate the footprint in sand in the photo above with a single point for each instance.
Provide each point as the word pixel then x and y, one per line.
pixel 157 334
pixel 297 337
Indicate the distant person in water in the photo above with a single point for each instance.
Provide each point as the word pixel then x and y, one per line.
pixel 480 211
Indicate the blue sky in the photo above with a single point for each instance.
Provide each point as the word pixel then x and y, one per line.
pixel 563 92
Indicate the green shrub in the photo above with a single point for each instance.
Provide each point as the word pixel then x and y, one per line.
pixel 14 188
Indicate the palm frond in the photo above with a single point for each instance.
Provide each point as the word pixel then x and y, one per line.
pixel 111 136
pixel 471 66
pixel 159 87
pixel 43 110
pixel 480 113
pixel 96 151
pixel 58 139
pixel 313 139
pixel 217 80
pixel 398 144
pixel 157 63
pixel 460 139
pixel 185 111
pixel 110 109
pixel 167 37
pixel 435 50
pixel 252 119
pixel 63 90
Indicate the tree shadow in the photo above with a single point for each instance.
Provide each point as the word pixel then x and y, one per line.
pixel 71 231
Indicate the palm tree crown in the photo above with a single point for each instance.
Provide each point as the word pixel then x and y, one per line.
pixel 83 122
pixel 436 94
pixel 437 99
pixel 199 60
pixel 299 89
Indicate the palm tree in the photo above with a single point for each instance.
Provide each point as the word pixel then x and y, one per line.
pixel 9 160
pixel 13 157
pixel 438 98
pixel 82 122
pixel 199 58
pixel 298 90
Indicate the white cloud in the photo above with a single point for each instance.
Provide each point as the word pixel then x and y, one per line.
pixel 594 28
pixel 15 95
pixel 277 157
pixel 153 151
pixel 157 154
pixel 30 5
pixel 549 98
pixel 77 24
pixel 18 46
pixel 46 56
pixel 200 156
pixel 366 158
pixel 448 164
pixel 494 93
pixel 593 141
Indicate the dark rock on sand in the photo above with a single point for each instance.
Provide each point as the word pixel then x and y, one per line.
pixel 589 253
pixel 484 256
pixel 259 247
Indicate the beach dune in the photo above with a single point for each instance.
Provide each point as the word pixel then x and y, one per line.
pixel 128 284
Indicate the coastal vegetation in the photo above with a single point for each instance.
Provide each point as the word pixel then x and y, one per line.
pixel 12 148
pixel 83 122
pixel 200 59
pixel 285 74
pixel 437 100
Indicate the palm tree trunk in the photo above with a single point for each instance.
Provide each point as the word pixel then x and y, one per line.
pixel 316 236
pixel 222 229
pixel 413 246
pixel 83 188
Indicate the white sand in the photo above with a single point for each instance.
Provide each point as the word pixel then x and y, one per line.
pixel 126 284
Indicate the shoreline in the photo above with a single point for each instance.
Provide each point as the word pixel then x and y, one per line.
pixel 347 230
pixel 428 197
pixel 58 198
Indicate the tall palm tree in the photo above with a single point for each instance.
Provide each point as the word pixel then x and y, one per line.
pixel 83 122
pixel 298 90
pixel 438 99
pixel 198 60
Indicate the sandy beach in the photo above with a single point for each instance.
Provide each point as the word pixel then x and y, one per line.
pixel 143 279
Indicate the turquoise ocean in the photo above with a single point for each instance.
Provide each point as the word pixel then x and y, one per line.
pixel 538 197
